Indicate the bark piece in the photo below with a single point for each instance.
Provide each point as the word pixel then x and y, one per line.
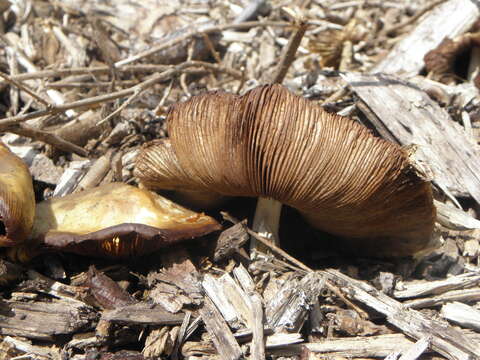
pixel 142 314
pixel 44 320
pixel 106 291
pixel 177 283
pixel 446 340
pixel 42 284
pixel 160 342
pixel 229 241
pixel 349 322
pixel 289 309
pixel 219 331
pixel 448 19
pixel 9 272
pixel 464 315
pixel 411 117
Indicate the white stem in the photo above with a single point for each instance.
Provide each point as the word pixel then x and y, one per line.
pixel 474 65
pixel 267 220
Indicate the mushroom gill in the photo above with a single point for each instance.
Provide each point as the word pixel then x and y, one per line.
pixel 115 220
pixel 270 143
pixel 17 199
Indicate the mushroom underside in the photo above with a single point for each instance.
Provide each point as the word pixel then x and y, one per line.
pixel 270 143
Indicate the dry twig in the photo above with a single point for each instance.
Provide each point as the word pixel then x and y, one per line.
pixel 85 103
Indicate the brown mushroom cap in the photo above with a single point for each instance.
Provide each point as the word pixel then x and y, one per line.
pixel 116 220
pixel 272 143
pixel 17 199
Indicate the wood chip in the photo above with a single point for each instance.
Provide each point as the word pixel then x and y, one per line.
pixel 43 320
pixel 288 310
pixel 417 119
pixel 142 314
pixel 449 19
pixel 366 347
pixel 422 288
pixel 464 295
pixel 446 340
pixel 219 331
pixel 462 314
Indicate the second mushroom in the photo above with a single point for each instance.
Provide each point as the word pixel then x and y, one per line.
pixel 283 149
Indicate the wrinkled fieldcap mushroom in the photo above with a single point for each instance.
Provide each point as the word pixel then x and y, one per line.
pixel 116 220
pixel 17 199
pixel 270 143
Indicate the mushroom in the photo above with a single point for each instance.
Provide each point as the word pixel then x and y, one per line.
pixel 115 220
pixel 17 199
pixel 272 144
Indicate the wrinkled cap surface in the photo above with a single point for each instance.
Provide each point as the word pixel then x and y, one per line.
pixel 272 143
pixel 17 199
pixel 116 220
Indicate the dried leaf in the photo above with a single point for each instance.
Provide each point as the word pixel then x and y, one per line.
pixel 106 291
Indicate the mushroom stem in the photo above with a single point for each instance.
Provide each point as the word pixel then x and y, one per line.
pixel 267 220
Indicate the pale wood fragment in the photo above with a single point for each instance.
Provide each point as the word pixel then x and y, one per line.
pixel 30 350
pixel 464 295
pixel 446 340
pixel 96 173
pixel 422 287
pixel 71 177
pixel 258 345
pixel 454 218
pixel 367 346
pixel 446 20
pixel 237 298
pixel 462 314
pixel 177 283
pixel 279 340
pixel 416 350
pixel 181 334
pixel 218 296
pixel 219 331
pixel 410 116
pixel 273 342
pixel 244 278
pixel 288 310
